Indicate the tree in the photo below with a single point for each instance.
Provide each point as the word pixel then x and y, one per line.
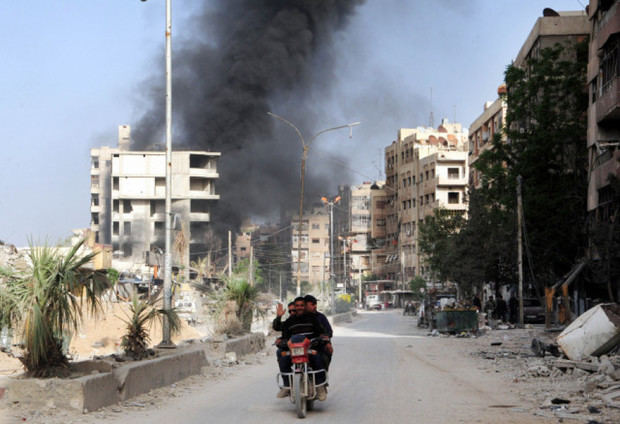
pixel 546 129
pixel 416 285
pixel 45 303
pixel 437 241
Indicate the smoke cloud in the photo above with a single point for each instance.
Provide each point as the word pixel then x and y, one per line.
pixel 245 58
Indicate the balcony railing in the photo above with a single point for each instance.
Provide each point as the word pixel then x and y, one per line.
pixel 608 104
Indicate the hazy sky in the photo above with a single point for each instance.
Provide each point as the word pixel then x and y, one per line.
pixel 72 71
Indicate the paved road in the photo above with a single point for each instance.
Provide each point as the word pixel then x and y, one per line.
pixel 384 370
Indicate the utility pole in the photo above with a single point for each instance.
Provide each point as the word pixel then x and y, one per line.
pixel 251 269
pixel 520 246
pixel 280 273
pixel 166 341
pixel 229 254
pixel 344 265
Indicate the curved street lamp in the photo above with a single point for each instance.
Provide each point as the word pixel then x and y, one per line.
pixel 306 147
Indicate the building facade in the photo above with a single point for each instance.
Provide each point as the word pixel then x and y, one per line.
pixel 128 201
pixel 604 107
pixel 426 169
pixel 314 252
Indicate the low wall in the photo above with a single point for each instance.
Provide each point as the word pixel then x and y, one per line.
pixel 343 317
pixel 102 388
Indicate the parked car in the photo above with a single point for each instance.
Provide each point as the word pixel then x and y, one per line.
pixel 533 311
pixel 373 301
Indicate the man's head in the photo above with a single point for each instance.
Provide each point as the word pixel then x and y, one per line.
pixel 300 305
pixel 291 308
pixel 310 303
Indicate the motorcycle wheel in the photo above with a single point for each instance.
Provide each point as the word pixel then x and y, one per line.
pixel 300 400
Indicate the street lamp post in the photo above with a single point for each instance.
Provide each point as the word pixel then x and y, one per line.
pixel 166 341
pixel 330 208
pixel 306 147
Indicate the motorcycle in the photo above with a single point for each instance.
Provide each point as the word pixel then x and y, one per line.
pixel 302 379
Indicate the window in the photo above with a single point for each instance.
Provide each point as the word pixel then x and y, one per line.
pixel 404 205
pixel 380 222
pixel 115 183
pixel 94 199
pixel 115 226
pixel 453 197
pixel 94 181
pixel 433 173
pixel 243 249
pixel 115 204
pixel 127 250
pixel 94 217
pixel 421 177
pixel 126 228
pixel 95 162
pixel 413 203
pixel 426 175
pixel 380 204
pixel 316 226
pixel 316 241
pixel 453 173
pixel 421 201
pixel 127 206
pixel 610 65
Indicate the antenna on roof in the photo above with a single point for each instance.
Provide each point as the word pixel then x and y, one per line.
pixel 431 122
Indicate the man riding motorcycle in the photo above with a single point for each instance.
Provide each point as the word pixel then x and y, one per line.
pixel 326 349
pixel 308 325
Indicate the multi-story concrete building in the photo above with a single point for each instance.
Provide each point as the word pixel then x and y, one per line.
pixel 426 169
pixel 379 209
pixel 314 253
pixel 358 238
pixel 604 108
pixel 482 131
pixel 128 200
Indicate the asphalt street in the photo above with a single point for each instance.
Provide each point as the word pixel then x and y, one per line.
pixel 385 369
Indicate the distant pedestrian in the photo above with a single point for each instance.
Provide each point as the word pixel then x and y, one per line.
pixel 476 302
pixel 501 308
pixel 513 308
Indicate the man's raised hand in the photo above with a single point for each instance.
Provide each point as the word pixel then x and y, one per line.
pixel 279 309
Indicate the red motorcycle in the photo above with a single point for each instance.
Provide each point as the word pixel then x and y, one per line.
pixel 302 379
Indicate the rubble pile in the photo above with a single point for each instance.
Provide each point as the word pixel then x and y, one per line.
pixel 11 258
pixel 586 390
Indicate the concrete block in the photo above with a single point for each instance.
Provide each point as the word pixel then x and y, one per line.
pixel 138 378
pixel 244 345
pixel 99 390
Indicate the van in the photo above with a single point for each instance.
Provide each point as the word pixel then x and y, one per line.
pixel 373 301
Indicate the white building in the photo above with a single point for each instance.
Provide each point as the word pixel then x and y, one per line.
pixel 128 201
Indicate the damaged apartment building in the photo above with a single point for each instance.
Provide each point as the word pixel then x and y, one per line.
pixel 127 191
pixel 426 168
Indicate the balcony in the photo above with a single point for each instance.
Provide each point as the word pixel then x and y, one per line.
pixel 195 194
pixel 204 172
pixel 199 216
pixel 95 208
pixel 608 104
pixel 443 180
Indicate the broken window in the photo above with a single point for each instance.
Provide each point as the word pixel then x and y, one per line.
pixel 199 206
pixel 453 197
pixel 127 206
pixel 199 161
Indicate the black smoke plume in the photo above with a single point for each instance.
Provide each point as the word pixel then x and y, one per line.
pixel 245 58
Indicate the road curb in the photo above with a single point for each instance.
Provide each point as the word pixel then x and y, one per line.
pixel 113 385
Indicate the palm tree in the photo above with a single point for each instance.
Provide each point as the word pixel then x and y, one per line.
pixel 201 267
pixel 141 315
pixel 244 295
pixel 45 304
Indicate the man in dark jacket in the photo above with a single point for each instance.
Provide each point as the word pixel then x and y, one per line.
pixel 277 321
pixel 326 348
pixel 307 325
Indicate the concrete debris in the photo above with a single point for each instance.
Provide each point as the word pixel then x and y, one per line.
pixel 539 371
